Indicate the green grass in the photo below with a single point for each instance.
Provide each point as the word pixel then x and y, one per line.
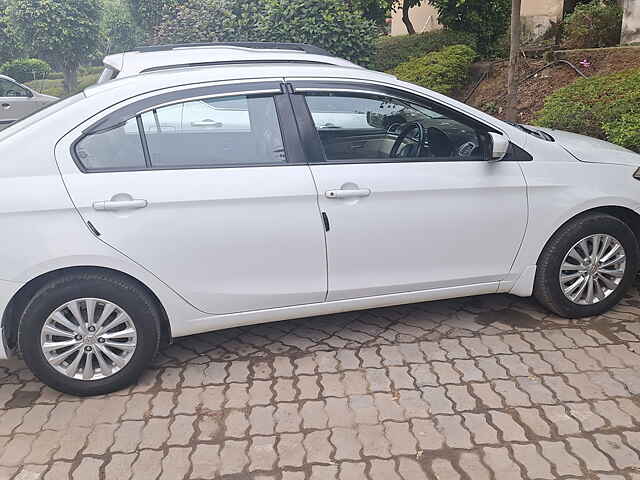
pixel 55 87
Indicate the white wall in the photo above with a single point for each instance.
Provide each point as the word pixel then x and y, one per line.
pixel 631 24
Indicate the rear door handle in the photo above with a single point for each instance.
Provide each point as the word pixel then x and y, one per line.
pixel 355 193
pixel 115 205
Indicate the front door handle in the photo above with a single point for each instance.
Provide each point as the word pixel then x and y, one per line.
pixel 6 106
pixel 355 193
pixel 115 205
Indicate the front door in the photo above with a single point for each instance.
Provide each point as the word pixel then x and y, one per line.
pixel 411 200
pixel 210 194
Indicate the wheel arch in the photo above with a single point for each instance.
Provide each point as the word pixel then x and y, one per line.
pixel 630 217
pixel 523 286
pixel 12 313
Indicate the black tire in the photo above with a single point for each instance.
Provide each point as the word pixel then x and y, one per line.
pixel 140 306
pixel 547 288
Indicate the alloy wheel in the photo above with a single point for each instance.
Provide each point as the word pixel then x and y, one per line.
pixel 592 269
pixel 88 339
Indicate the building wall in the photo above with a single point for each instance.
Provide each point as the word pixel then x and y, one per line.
pixel 538 15
pixel 631 24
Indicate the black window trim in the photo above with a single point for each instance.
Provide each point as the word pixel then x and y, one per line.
pixel 294 152
pixel 311 137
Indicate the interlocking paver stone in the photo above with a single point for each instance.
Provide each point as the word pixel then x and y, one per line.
pixel 458 389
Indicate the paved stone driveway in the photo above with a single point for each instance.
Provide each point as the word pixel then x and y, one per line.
pixel 479 388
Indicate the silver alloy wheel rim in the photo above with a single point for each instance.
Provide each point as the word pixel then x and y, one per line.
pixel 88 339
pixel 593 269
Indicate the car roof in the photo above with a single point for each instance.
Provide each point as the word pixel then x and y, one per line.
pixel 134 85
pixel 163 57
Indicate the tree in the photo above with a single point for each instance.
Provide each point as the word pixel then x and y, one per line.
pixel 375 10
pixel 488 20
pixel 65 33
pixel 8 47
pixel 406 19
pixel 148 14
pixel 118 30
pixel 512 80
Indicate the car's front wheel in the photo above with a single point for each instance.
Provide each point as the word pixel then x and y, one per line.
pixel 89 333
pixel 587 266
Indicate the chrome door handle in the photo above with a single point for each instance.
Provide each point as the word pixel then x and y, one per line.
pixel 114 205
pixel 6 106
pixel 356 193
pixel 207 123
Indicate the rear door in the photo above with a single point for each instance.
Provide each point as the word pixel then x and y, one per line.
pixel 209 190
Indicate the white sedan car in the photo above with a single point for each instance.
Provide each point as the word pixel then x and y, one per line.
pixel 200 197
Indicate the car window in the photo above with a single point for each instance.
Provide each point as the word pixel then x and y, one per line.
pixel 11 89
pixel 214 132
pixel 115 149
pixel 238 130
pixel 358 127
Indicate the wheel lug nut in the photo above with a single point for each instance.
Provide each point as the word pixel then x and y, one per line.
pixel 78 337
pixel 101 340
pixel 87 349
pixel 92 329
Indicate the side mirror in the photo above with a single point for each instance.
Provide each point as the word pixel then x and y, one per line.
pixel 499 146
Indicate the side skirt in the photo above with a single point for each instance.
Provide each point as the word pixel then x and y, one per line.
pixel 219 322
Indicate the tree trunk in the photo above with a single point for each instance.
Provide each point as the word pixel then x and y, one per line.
pixel 406 5
pixel 70 79
pixel 512 81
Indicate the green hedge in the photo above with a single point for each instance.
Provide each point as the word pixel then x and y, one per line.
pixel 444 71
pixel 392 51
pixel 26 69
pixel 606 107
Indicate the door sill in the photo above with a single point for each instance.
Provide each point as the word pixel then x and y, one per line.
pixel 219 322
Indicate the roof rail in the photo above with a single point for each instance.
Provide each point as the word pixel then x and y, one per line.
pixel 311 49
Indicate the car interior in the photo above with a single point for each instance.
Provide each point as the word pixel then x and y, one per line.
pixel 353 127
pixel 10 89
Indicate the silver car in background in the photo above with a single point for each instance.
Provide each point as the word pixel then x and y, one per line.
pixel 17 101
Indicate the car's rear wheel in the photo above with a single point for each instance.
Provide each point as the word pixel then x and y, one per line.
pixel 89 333
pixel 587 266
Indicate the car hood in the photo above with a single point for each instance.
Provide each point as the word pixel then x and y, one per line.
pixel 592 150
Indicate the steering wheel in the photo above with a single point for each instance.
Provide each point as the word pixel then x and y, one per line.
pixel 404 134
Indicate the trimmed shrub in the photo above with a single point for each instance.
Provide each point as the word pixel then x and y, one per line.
pixel 331 24
pixel 392 51
pixel 210 21
pixel 605 107
pixel 625 131
pixel 593 25
pixel 26 69
pixel 444 71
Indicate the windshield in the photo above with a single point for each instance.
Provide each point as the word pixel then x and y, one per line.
pixel 39 115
